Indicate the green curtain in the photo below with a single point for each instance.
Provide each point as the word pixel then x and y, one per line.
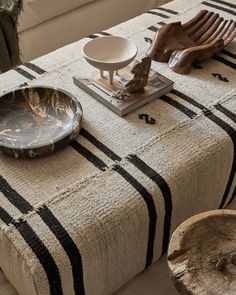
pixel 9 45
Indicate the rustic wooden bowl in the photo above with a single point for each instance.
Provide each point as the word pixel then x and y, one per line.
pixel 202 254
pixel 37 121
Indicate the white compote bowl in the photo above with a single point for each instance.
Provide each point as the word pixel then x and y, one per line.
pixel 109 53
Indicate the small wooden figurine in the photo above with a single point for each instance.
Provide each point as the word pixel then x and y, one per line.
pixel 195 41
pixel 141 72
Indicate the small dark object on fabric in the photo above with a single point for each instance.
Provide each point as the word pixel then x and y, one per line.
pixel 9 45
pixel 147 119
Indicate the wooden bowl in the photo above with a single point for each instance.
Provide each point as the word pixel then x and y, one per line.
pixel 37 121
pixel 202 254
pixel 109 53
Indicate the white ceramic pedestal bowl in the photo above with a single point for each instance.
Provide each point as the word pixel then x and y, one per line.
pixel 109 53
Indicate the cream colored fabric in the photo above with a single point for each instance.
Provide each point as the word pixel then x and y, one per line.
pixel 70 209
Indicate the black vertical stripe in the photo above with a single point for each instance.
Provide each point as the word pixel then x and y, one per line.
pixel 224 61
pixel 167 10
pixel 224 126
pixel 34 68
pixel 221 8
pixel 88 155
pixel 224 3
pixel 56 228
pixel 24 73
pixel 5 216
pixel 43 255
pixel 162 184
pixel 147 197
pixel 100 145
pixel 233 196
pixel 226 112
pixel 68 245
pixel 230 54
pixel 158 14
pixel 13 197
pixel 191 114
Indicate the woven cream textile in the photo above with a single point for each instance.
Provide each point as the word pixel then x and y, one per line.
pixel 90 218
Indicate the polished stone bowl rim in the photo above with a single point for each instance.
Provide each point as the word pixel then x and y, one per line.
pixel 67 136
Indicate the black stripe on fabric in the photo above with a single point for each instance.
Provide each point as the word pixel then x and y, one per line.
pixel 24 73
pixel 233 196
pixel 162 184
pixel 92 36
pixel 158 14
pixel 224 3
pixel 13 197
pixel 224 126
pixel 5 216
pixel 191 114
pixel 34 68
pixel 161 23
pixel 224 61
pixel 105 33
pixel 167 10
pixel 147 197
pixel 153 29
pixel 221 8
pixel 43 255
pixel 68 245
pixel 230 54
pixel 226 112
pixel 100 145
pixel 88 155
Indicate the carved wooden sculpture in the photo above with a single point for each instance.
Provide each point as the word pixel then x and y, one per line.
pixel 141 72
pixel 197 40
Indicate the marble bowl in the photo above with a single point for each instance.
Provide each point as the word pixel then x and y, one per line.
pixel 109 53
pixel 36 121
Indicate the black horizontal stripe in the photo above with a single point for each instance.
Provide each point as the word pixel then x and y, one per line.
pixel 162 184
pixel 105 33
pixel 100 145
pixel 43 255
pixel 167 10
pixel 158 14
pixel 230 54
pixel 224 126
pixel 24 73
pixel 226 112
pixel 34 68
pixel 147 197
pixel 5 216
pixel 161 23
pixel 224 3
pixel 191 114
pixel 92 36
pixel 225 61
pixel 68 245
pixel 13 197
pixel 153 29
pixel 221 8
pixel 88 155
pixel 233 197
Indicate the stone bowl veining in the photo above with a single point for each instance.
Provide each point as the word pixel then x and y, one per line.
pixel 36 121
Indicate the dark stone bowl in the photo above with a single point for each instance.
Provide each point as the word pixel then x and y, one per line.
pixel 36 121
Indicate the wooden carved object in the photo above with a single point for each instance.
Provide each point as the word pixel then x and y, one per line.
pixel 140 80
pixel 202 254
pixel 195 41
